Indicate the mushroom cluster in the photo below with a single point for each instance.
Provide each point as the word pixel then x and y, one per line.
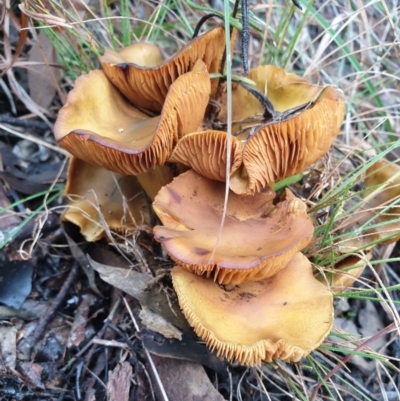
pixel 246 289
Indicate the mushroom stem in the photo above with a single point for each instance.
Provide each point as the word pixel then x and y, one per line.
pixel 153 180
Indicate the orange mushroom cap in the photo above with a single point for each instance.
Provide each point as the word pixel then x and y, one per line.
pixel 98 125
pixel 99 200
pixel 378 198
pixel 265 152
pixel 141 53
pixel 258 238
pixel 283 317
pixel 344 273
pixel 147 87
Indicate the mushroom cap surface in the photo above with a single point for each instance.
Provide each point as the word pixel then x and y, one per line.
pixel 283 317
pixel 147 87
pixel 99 199
pixel 258 238
pixel 142 54
pixel 99 125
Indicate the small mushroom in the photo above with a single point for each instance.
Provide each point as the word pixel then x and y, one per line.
pixel 383 179
pixel 281 126
pixel 377 220
pixel 345 272
pixel 258 238
pixel 147 86
pixel 284 317
pixel 99 200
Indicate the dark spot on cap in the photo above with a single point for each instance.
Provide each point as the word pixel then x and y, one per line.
pixel 174 195
pixel 200 251
pixel 246 295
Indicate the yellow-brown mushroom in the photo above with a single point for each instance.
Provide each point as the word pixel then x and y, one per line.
pixel 98 125
pixel 284 317
pixel 258 238
pixel 383 180
pixel 147 86
pixel 268 147
pixel 345 272
pixel 99 200
pixel 141 53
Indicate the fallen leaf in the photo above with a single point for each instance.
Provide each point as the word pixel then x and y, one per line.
pixel 15 282
pixel 139 286
pixel 188 349
pixel 183 381
pixel 42 78
pixel 32 372
pixel 157 323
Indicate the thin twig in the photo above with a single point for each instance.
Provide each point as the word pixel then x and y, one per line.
pixel 7 118
pixel 150 359
pixel 32 138
pixel 31 341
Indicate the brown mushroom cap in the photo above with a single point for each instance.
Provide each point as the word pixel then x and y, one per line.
pixel 283 317
pixel 383 172
pixel 379 197
pixel 98 125
pixel 345 273
pixel 142 54
pixel 278 149
pixel 99 199
pixel 258 238
pixel 147 87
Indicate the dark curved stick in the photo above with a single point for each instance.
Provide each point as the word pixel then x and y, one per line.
pixel 245 36
pixel 202 21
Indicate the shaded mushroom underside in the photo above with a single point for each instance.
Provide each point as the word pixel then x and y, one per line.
pixel 111 202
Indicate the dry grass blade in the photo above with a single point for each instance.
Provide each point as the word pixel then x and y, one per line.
pixel 21 41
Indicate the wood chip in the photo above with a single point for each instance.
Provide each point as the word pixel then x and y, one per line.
pixel 119 383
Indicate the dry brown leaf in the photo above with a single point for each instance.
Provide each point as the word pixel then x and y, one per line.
pixel 42 79
pixel 157 323
pixel 184 381
pixel 138 285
